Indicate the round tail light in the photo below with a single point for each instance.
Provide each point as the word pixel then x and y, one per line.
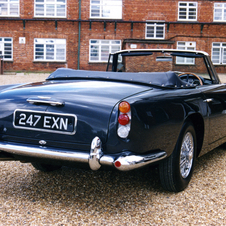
pixel 123 119
pixel 124 107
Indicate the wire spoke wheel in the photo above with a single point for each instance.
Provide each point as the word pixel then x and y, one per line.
pixel 176 171
pixel 186 155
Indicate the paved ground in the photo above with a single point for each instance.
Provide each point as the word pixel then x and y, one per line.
pixel 73 196
pixel 79 197
pixel 22 78
pixel 222 78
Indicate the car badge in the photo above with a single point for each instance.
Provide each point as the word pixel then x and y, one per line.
pixel 42 142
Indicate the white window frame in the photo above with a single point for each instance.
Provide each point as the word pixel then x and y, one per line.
pixel 187 8
pixel 155 25
pixel 113 6
pixel 99 45
pixel 45 42
pixel 184 45
pixel 222 8
pixel 221 46
pixel 45 3
pixel 3 48
pixel 10 7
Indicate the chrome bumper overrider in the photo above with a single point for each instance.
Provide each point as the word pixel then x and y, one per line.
pixel 95 158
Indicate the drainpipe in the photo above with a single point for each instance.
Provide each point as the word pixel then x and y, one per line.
pixel 79 34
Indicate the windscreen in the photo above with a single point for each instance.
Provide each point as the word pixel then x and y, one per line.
pixel 179 63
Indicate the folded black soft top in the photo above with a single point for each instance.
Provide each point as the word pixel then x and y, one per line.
pixel 163 79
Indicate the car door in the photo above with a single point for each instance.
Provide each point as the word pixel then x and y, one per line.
pixel 215 98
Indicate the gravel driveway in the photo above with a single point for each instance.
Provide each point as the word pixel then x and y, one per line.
pixel 73 196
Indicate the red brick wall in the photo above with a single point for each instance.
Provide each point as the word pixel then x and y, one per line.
pixel 23 54
pixel 138 10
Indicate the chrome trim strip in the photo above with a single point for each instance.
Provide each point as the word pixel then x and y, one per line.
pixel 45 130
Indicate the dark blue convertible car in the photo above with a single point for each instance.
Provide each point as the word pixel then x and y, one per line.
pixel 164 107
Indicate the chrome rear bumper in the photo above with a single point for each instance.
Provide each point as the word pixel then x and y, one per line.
pixel 95 158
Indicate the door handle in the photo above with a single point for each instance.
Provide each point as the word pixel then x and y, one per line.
pixel 208 100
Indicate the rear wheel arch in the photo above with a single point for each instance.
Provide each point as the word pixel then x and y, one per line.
pixel 197 120
pixel 176 170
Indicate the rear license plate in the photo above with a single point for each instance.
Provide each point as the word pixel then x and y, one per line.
pixel 45 121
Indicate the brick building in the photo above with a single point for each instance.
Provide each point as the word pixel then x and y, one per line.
pixel 42 35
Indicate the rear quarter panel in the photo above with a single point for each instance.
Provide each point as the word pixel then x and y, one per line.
pixel 157 119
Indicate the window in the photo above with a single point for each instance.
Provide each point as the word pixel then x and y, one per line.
pixel 99 49
pixel 219 12
pixel 50 8
pixel 219 53
pixel 49 49
pixel 6 48
pixel 111 9
pixel 185 46
pixel 155 30
pixel 9 8
pixel 187 11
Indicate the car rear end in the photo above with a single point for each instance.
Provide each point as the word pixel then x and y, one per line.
pixel 68 122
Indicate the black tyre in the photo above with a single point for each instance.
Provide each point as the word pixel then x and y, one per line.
pixel 45 167
pixel 176 171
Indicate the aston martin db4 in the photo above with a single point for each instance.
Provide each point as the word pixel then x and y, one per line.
pixel 165 107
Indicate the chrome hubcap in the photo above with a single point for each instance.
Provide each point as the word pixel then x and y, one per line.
pixel 186 155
